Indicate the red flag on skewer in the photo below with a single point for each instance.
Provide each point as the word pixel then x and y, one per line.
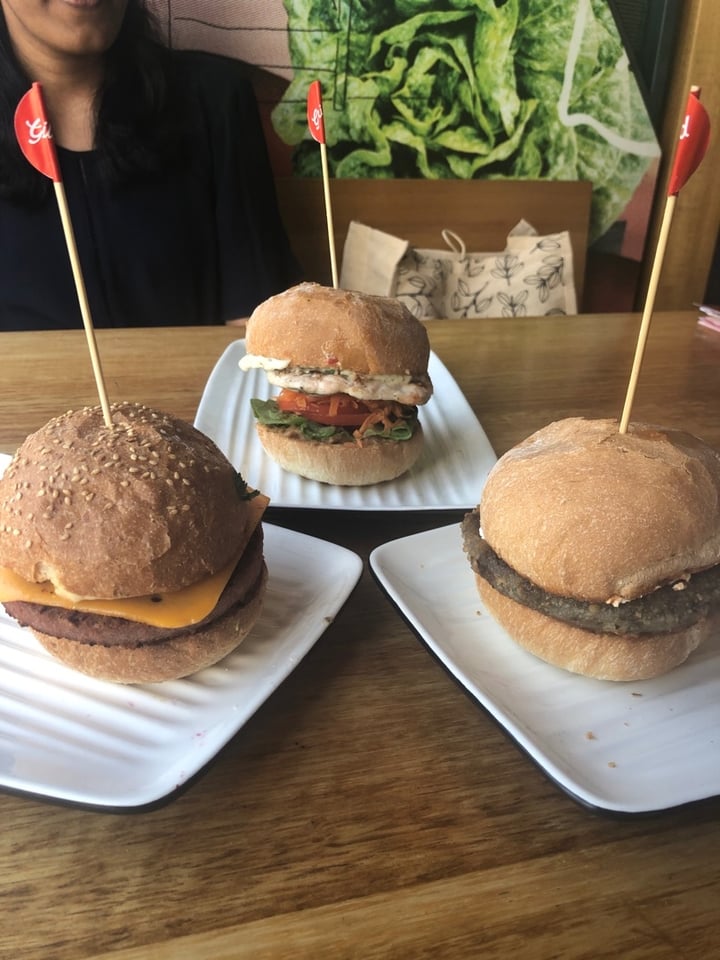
pixel 316 125
pixel 34 134
pixel 315 119
pixel 35 138
pixel 694 138
pixel 692 145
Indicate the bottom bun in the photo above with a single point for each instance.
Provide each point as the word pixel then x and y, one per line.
pixel 343 464
pixel 600 655
pixel 169 659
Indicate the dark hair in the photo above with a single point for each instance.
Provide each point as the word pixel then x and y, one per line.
pixel 137 125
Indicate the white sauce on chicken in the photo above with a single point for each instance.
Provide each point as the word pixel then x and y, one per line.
pixel 252 362
pixel 412 391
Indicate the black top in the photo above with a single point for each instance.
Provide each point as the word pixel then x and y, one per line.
pixel 203 245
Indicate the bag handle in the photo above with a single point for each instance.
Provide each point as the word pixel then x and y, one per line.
pixel 454 241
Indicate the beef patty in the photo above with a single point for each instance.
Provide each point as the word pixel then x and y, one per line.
pixel 666 610
pixel 116 631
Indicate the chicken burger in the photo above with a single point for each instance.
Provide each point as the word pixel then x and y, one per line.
pixel 352 369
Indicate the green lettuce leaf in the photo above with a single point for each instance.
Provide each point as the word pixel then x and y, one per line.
pixel 268 413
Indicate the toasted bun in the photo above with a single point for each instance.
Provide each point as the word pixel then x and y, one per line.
pixel 343 464
pixel 167 660
pixel 602 656
pixel 147 506
pixel 584 511
pixel 321 327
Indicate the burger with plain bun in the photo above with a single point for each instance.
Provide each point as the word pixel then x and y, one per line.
pixel 598 551
pixel 134 552
pixel 352 369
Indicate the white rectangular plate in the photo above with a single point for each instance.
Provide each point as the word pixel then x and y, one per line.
pixel 626 747
pixel 70 737
pixel 449 474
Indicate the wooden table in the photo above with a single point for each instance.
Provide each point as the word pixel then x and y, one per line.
pixel 370 809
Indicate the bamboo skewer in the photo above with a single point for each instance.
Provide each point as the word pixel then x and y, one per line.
pixel 694 136
pixel 83 299
pixel 648 310
pixel 328 213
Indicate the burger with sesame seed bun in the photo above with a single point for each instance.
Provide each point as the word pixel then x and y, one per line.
pixel 134 552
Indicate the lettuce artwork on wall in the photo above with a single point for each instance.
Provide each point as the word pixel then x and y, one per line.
pixel 525 89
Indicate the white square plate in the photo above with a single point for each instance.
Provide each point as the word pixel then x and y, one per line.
pixel 627 747
pixel 449 474
pixel 70 737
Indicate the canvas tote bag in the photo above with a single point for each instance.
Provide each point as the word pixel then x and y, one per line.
pixel 532 276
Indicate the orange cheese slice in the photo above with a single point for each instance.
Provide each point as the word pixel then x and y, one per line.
pixel 181 608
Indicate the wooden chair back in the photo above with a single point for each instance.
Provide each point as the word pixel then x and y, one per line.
pixel 482 212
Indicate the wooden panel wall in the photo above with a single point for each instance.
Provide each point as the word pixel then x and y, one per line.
pixel 697 214
pixel 482 212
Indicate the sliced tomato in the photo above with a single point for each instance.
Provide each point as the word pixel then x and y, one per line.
pixel 335 410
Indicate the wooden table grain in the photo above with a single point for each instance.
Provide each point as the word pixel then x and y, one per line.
pixel 369 809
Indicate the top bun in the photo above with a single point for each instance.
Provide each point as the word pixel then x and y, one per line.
pixel 584 511
pixel 325 328
pixel 147 506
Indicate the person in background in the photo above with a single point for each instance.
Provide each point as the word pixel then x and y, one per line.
pixel 165 169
